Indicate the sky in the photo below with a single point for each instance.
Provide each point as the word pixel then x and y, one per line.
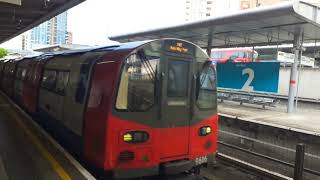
pixel 92 21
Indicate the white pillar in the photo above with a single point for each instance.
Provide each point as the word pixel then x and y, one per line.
pixel 297 47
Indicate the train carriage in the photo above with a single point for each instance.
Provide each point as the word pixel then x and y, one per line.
pixel 2 65
pixel 161 116
pixel 20 77
pixel 9 76
pixel 31 82
pixel 129 110
pixel 63 92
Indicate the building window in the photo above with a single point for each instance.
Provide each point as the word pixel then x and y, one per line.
pixel 245 4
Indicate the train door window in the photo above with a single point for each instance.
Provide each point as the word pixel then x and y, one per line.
pixel 23 74
pixel 29 74
pixel 177 82
pixel 137 85
pixel 62 81
pixel 18 73
pixel 49 79
pixel 206 85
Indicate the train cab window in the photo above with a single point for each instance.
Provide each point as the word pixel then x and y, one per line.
pixel 137 85
pixel 62 81
pixel 49 79
pixel 206 87
pixel 177 81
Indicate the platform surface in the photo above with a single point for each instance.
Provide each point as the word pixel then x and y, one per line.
pixel 306 119
pixel 26 153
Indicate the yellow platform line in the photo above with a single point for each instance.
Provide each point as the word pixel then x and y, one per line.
pixel 53 162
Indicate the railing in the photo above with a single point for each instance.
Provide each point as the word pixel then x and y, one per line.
pixel 271 149
pixel 249 99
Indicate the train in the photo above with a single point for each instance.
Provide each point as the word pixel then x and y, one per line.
pixel 130 110
pixel 235 55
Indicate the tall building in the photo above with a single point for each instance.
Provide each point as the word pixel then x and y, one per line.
pixel 69 38
pixel 246 4
pixel 50 32
pixel 200 9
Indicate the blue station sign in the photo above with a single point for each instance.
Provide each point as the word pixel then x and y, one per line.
pixel 255 76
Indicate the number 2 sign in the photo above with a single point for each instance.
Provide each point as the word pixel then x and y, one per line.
pixel 255 76
pixel 246 86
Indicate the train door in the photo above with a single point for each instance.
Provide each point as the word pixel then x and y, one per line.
pixel 175 105
pixel 49 101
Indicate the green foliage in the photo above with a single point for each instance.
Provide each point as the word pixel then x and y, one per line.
pixel 3 52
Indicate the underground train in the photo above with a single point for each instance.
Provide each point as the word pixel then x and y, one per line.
pixel 130 110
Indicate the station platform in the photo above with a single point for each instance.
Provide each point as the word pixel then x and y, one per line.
pixel 27 152
pixel 304 120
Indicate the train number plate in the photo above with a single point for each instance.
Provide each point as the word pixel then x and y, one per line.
pixel 201 160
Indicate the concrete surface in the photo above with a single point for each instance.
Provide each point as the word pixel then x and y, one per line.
pixel 271 132
pixel 26 153
pixel 305 120
pixel 309 84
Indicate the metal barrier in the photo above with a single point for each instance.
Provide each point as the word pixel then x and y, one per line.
pixel 249 99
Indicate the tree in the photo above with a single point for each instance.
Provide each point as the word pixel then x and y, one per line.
pixel 3 52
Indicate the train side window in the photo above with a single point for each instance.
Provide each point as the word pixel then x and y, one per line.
pixel 62 81
pixel 49 79
pixel 137 85
pixel 18 73
pixel 206 85
pixel 23 74
pixel 29 74
pixel 242 54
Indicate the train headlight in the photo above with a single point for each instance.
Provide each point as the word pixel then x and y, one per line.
pixel 127 137
pixel 205 130
pixel 135 137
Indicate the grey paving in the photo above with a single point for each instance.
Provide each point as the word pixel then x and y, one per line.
pixel 306 119
pixel 20 158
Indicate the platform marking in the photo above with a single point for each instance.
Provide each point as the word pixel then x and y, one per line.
pixel 74 162
pixel 3 173
pixel 53 162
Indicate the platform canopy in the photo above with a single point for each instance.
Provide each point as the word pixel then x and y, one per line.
pixel 18 16
pixel 259 26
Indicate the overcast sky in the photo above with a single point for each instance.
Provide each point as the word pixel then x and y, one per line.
pixel 92 21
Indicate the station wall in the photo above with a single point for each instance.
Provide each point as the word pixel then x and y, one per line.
pixel 309 84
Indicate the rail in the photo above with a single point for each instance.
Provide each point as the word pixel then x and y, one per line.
pixel 269 158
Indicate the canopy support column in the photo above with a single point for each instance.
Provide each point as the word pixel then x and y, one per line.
pixel 209 45
pixel 297 48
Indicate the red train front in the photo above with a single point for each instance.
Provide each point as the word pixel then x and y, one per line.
pixel 158 116
pixel 131 110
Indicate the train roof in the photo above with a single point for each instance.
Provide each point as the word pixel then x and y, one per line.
pixel 129 45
